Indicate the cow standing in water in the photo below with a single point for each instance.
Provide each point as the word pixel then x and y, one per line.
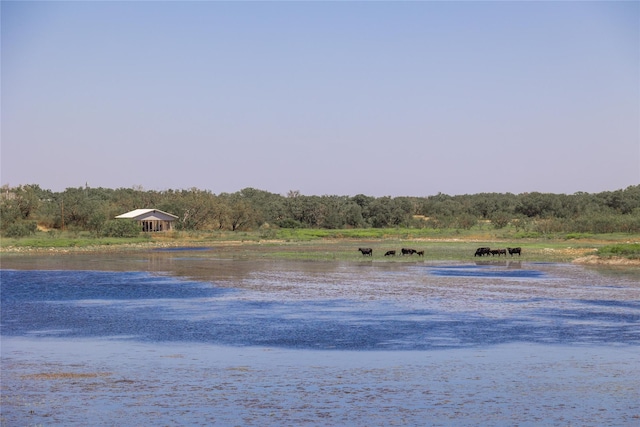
pixel 482 252
pixel 366 251
pixel 514 251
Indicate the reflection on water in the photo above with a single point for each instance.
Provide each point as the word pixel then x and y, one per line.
pixel 107 382
pixel 183 249
pixel 168 297
pixel 185 338
pixel 508 264
pixel 166 309
pixel 488 270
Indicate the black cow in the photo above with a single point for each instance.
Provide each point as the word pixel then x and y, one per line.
pixel 498 252
pixel 390 253
pixel 406 251
pixel 420 253
pixel 514 251
pixel 366 251
pixel 482 252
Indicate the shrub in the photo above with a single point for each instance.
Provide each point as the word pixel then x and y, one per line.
pixel 578 236
pixel 21 229
pixel 629 250
pixel 527 235
pixel 466 221
pixel 500 220
pixel 121 228
pixel 549 226
pixel 289 223
pixel 96 222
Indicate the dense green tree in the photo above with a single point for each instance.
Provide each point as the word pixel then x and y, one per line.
pixel 536 205
pixel 294 206
pixel 313 211
pixel 380 212
pixel 500 219
pixel 268 207
pixel 27 200
pixel 241 214
pixel 9 209
pixel 120 228
pixel 352 215
pixel 96 222
pixel 77 206
pixel 466 221
pixel 92 208
pixel 21 228
pixel 195 209
pixel 363 201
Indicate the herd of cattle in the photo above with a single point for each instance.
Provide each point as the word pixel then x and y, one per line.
pixel 494 252
pixel 403 251
pixel 479 252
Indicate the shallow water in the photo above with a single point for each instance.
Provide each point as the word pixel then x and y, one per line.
pixel 187 338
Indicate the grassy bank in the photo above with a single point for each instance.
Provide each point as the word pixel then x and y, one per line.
pixel 623 250
pixel 343 244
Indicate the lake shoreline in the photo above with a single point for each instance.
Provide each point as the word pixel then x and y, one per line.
pixel 583 256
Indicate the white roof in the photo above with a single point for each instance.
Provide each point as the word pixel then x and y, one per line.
pixel 139 212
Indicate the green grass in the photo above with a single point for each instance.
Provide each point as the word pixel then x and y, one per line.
pixel 578 236
pixel 320 244
pixel 347 250
pixel 624 250
pixel 307 234
pixel 68 240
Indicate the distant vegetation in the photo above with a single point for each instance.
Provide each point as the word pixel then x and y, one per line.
pixel 629 250
pixel 27 208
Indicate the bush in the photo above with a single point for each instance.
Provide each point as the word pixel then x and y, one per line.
pixel 95 223
pixel 549 226
pixel 578 236
pixel 21 229
pixel 121 228
pixel 500 220
pixel 630 250
pixel 289 223
pixel 527 235
pixel 466 221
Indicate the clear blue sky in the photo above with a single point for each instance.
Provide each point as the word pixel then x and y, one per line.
pixel 378 98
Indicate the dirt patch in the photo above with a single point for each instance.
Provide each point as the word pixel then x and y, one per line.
pixel 596 260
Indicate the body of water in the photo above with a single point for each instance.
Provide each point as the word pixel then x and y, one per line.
pixel 184 338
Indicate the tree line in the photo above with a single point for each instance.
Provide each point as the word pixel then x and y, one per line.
pixel 25 208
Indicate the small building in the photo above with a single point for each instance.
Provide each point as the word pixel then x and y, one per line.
pixel 151 219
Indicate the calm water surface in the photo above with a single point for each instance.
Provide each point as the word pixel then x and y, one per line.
pixel 189 338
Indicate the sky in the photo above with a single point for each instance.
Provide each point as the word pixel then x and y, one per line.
pixel 325 98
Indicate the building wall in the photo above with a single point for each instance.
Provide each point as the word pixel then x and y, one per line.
pixel 156 226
